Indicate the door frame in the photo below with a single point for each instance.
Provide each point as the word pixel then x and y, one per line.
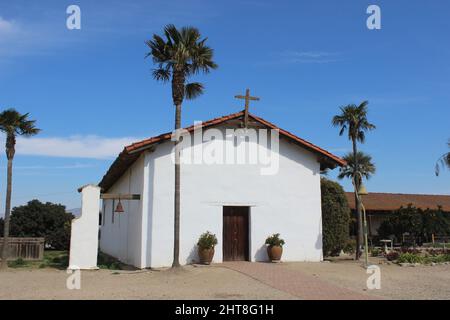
pixel 249 238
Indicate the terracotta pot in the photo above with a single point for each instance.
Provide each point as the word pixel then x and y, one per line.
pixel 206 255
pixel 274 253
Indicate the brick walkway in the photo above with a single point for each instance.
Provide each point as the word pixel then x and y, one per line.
pixel 294 282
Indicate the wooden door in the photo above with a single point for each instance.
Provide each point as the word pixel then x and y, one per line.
pixel 235 234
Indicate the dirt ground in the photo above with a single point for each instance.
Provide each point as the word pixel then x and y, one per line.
pixel 216 282
pixel 188 283
pixel 418 283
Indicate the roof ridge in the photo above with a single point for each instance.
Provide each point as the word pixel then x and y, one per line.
pixel 131 152
pixel 290 133
pixel 232 115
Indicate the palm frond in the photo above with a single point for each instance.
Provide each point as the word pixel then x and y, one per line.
pixel 161 74
pixel 361 136
pixel 193 90
pixel 443 162
pixel 365 166
pixel 158 50
pixel 172 34
pixel 12 123
pixel 353 119
pixel 363 105
pixel 181 53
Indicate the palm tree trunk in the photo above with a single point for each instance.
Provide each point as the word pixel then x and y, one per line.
pixel 176 234
pixel 7 215
pixel 359 227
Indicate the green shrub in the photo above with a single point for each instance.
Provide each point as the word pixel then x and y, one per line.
pixel 207 240
pixel 18 263
pixel 105 261
pixel 274 240
pixel 410 258
pixel 349 246
pixel 437 258
pixel 375 252
pixel 116 265
pixel 62 260
pixel 335 218
pixel 56 259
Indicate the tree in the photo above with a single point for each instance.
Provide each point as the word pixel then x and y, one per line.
pixel 12 123
pixel 335 217
pixel 420 224
pixel 48 220
pixel 1 227
pixel 435 222
pixel 444 161
pixel 366 166
pixel 353 119
pixel 180 54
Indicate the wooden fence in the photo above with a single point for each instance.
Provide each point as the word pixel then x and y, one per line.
pixel 440 239
pixel 25 248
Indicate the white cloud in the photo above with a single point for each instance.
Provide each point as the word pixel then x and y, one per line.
pixel 63 167
pixel 88 146
pixel 14 39
pixel 6 27
pixel 19 38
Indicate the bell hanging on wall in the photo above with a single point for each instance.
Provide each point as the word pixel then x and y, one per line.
pixel 119 207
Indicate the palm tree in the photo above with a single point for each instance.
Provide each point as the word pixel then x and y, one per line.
pixel 444 161
pixel 12 123
pixel 366 166
pixel 353 119
pixel 180 54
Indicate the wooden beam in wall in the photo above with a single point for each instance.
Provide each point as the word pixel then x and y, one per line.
pixel 109 196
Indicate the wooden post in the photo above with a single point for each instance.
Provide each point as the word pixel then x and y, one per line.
pixel 110 196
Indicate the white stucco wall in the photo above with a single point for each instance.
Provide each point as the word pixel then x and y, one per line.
pixel 288 203
pixel 123 237
pixel 84 234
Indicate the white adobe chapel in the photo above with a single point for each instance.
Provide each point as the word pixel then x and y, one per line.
pixel 237 202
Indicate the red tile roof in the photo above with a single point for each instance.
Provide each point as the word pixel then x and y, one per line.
pixel 132 152
pixel 393 201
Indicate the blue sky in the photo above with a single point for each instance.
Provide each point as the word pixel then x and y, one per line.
pixel 91 89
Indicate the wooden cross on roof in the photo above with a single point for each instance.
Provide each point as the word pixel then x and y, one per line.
pixel 247 99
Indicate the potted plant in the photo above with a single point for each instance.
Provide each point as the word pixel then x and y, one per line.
pixel 274 247
pixel 206 245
